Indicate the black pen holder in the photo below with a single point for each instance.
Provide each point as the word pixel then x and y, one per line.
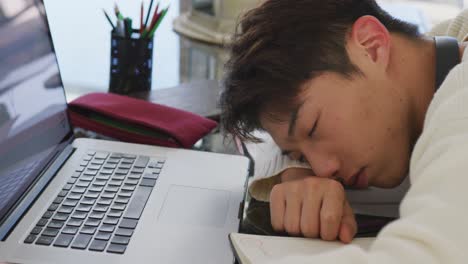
pixel 131 63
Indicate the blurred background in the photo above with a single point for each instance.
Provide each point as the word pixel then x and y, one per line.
pixel 189 42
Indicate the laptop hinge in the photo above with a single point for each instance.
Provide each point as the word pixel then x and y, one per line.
pixel 36 188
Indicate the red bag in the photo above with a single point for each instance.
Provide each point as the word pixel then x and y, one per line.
pixel 138 121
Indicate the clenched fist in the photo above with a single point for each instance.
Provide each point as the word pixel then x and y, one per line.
pixel 312 207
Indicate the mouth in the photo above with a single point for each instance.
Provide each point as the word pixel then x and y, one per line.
pixel 359 180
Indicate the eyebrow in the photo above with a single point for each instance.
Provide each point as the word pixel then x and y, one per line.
pixel 293 120
pixel 292 125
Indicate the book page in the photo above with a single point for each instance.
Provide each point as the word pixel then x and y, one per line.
pixel 260 249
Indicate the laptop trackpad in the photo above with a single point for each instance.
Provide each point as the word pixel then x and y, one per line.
pixel 195 206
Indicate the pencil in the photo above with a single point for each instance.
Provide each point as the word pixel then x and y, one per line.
pixel 163 14
pixel 108 19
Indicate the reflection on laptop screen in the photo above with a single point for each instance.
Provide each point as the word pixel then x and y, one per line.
pixel 33 118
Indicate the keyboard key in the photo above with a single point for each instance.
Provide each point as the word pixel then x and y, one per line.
pixel 90 172
pixel 87 157
pixel 128 161
pixel 53 207
pixel 119 177
pixel 120 240
pixel 44 240
pixel 150 176
pixel 152 164
pixel 125 166
pixel 63 193
pixel 98 245
pixel 71 230
pixel 63 240
pixel 128 223
pixel 113 161
pixel 30 239
pixel 79 215
pixel 156 171
pixel 131 182
pixel 138 202
pixel 118 206
pixel 81 241
pixel 87 178
pixel 84 208
pixel 135 176
pixel 126 194
pixel 127 187
pixel 141 162
pixel 107 171
pixel 91 152
pixel 90 230
pixel 99 183
pixel 111 220
pixel 103 236
pixel 116 248
pixel 79 169
pixel 97 161
pixel 79 190
pixel 115 183
pixel 61 217
pixel 42 222
pixel 104 201
pixel 107 228
pixel 115 213
pixel 84 162
pixel 84 184
pixel 71 180
pixel 58 200
pixel 121 172
pixel 94 167
pixel 76 174
pixel 101 155
pixel 65 209
pixel 55 224
pixel 92 222
pixel 75 196
pixel 52 232
pixel 109 195
pixel 110 166
pixel 129 156
pixel 97 215
pixel 101 208
pixel 96 189
pixel 103 177
pixel 70 202
pixel 92 195
pixel 124 232
pixel 75 222
pixel 148 182
pixel 36 230
pixel 48 215
pixel 122 200
pixel 138 170
pixel 88 201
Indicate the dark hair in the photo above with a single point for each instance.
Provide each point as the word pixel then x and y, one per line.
pixel 283 43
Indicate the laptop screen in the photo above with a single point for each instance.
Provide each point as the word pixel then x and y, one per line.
pixel 33 118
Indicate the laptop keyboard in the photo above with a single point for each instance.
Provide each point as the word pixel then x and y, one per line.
pixel 99 207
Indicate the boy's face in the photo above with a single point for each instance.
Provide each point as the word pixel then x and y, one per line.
pixel 356 130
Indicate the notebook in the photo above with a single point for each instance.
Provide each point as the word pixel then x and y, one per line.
pixel 67 200
pixel 250 249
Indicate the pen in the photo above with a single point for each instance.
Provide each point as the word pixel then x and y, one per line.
pixel 141 18
pixel 120 29
pixel 108 19
pixel 149 12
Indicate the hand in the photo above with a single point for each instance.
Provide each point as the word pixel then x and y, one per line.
pixel 312 207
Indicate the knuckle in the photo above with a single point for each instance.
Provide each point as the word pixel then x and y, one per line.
pixel 330 218
pixel 292 229
pixel 336 186
pixel 328 237
pixel 276 192
pixel 309 231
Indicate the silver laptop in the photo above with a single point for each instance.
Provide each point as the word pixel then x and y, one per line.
pixel 66 200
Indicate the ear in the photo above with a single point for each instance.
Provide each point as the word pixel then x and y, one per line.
pixel 372 37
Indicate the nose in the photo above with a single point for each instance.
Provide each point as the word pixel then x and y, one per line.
pixel 323 165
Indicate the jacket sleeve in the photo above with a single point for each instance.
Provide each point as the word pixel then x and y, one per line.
pixel 432 227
